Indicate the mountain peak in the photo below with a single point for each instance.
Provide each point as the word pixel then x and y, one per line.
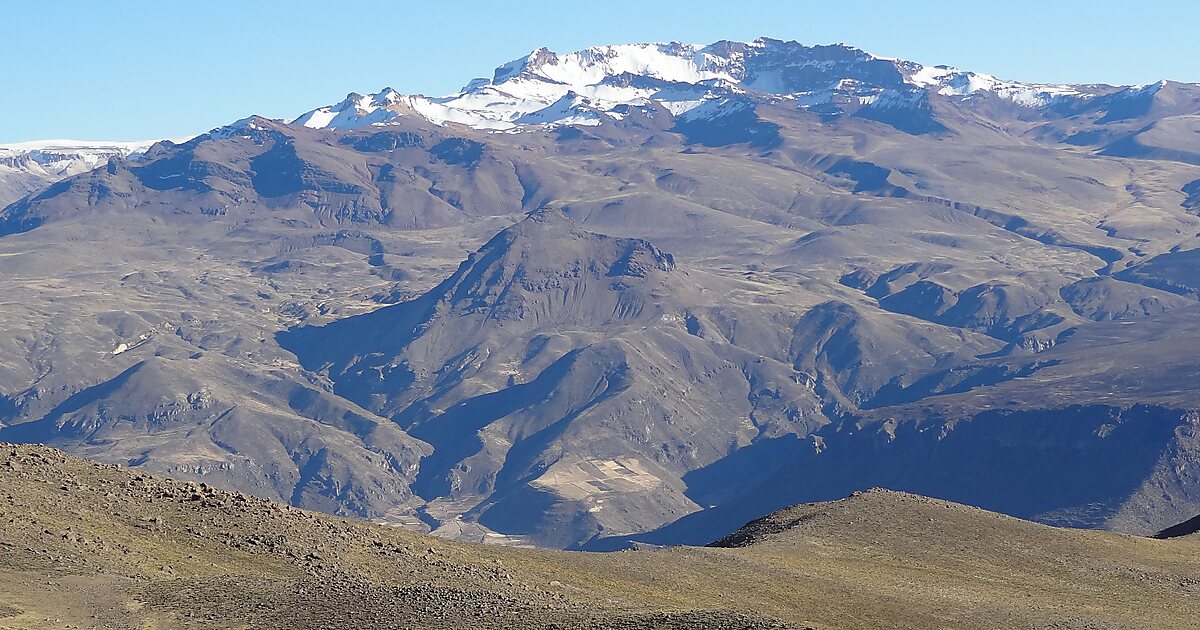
pixel 548 240
pixel 531 62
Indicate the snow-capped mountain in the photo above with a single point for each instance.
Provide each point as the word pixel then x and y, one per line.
pixel 65 157
pixel 580 88
pixel 27 166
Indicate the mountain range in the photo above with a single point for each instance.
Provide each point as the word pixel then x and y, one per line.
pixel 696 83
pixel 634 294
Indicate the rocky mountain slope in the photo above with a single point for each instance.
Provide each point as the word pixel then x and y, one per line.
pixel 649 322
pixel 87 545
pixel 555 368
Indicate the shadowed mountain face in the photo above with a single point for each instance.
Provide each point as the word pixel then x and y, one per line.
pixel 649 318
pixel 1186 528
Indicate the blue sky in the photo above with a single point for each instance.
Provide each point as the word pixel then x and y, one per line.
pixel 127 70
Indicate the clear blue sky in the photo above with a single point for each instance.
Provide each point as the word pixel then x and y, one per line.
pixel 141 70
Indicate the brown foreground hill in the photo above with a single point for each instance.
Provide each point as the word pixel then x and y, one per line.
pixel 86 545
